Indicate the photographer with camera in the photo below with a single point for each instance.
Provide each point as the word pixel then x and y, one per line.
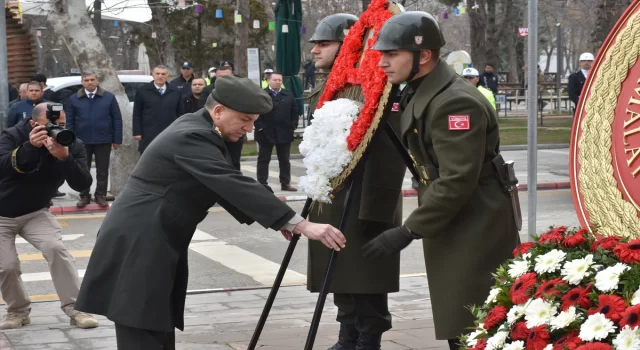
pixel 36 157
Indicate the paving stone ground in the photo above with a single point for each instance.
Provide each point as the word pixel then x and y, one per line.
pixel 226 320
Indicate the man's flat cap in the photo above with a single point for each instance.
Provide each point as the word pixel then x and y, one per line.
pixel 242 95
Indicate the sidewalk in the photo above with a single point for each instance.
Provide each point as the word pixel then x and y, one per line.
pixel 226 320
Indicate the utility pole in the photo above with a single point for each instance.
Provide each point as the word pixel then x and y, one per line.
pixel 97 16
pixel 559 64
pixel 4 72
pixel 532 112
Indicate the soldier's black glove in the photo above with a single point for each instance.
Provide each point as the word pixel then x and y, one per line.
pixel 388 242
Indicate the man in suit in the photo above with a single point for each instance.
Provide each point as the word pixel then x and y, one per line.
pixel 465 217
pixel 156 106
pixel 276 129
pixel 142 288
pixel 577 79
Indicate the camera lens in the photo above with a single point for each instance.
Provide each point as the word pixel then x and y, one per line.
pixel 63 136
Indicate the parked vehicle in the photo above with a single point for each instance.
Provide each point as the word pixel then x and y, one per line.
pixel 64 87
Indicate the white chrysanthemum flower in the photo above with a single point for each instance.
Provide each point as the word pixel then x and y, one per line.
pixel 575 270
pixel 548 347
pixel 564 319
pixel 539 312
pixel 516 312
pixel 324 146
pixel 635 299
pixel 518 268
pixel 497 341
pixel 493 294
pixel 516 345
pixel 609 278
pixel 628 339
pixel 473 337
pixel 549 262
pixel 596 327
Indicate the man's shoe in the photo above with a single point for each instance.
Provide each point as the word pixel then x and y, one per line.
pixel 347 338
pixel 59 194
pixel 288 188
pixel 13 321
pixel 101 201
pixel 83 202
pixel 84 320
pixel 369 341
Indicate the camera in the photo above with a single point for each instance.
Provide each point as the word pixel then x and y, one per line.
pixel 54 130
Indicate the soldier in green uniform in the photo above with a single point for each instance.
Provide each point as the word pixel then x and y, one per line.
pixel 466 218
pixel 360 285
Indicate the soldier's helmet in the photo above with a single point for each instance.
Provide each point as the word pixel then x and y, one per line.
pixel 411 31
pixel 333 27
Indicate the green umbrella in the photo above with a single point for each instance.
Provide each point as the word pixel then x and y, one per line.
pixel 289 16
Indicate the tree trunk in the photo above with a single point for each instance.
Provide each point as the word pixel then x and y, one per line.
pixel 513 58
pixel 477 33
pixel 163 47
pixel 492 50
pixel 242 39
pixel 73 26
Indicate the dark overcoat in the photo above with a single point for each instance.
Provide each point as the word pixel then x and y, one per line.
pixel 152 112
pixel 277 126
pixel 376 207
pixel 137 275
pixel 464 216
pixel 576 83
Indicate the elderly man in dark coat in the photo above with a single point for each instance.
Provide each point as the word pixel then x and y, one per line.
pixel 155 107
pixel 465 215
pixel 137 275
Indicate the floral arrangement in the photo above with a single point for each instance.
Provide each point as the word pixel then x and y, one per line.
pixel 339 126
pixel 347 71
pixel 325 160
pixel 571 289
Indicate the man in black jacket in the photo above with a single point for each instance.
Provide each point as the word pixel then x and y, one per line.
pixel 32 167
pixel 577 79
pixel 192 101
pixel 276 128
pixel 156 106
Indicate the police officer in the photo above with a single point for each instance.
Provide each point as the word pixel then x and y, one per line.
pixel 465 216
pixel 360 285
pixel 183 173
pixel 473 77
pixel 577 79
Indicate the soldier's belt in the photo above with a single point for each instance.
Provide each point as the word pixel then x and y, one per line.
pixel 430 173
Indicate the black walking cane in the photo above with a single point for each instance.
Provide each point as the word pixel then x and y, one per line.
pixel 278 281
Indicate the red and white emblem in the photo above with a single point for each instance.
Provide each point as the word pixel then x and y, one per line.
pixel 417 39
pixel 395 107
pixel 459 122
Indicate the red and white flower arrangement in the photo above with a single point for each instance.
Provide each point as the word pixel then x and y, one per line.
pixel 322 143
pixel 568 290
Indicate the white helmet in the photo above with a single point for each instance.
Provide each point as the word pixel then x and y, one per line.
pixel 212 69
pixel 268 70
pixel 470 72
pixel 586 57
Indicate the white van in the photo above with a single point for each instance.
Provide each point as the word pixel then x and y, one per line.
pixel 64 87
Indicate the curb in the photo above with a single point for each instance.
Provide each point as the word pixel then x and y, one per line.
pixel 60 210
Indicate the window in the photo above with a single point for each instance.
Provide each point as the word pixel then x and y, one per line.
pixel 62 95
pixel 131 88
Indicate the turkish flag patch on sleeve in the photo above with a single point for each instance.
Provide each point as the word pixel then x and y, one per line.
pixel 459 122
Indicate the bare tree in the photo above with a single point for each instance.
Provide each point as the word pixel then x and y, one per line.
pixel 75 29
pixel 164 52
pixel 242 38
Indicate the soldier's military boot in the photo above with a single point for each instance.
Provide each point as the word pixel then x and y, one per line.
pixel 347 338
pixel 369 341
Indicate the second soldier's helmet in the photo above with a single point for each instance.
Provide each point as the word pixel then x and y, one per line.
pixel 333 27
pixel 411 31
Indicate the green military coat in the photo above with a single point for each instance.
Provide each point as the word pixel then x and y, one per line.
pixel 376 207
pixel 464 216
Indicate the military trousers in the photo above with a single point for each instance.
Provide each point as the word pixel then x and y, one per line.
pixel 129 338
pixel 369 313
pixel 41 230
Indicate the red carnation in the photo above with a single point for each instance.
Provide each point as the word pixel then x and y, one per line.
pixel 628 253
pixel 631 317
pixel 577 296
pixel 481 344
pixel 575 239
pixel 522 287
pixel 612 306
pixel 569 341
pixel 606 243
pixel 595 346
pixel 519 331
pixel 538 338
pixel 548 288
pixel 523 248
pixel 495 316
pixel 551 237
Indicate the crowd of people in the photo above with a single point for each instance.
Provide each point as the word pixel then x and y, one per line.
pixel 190 134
